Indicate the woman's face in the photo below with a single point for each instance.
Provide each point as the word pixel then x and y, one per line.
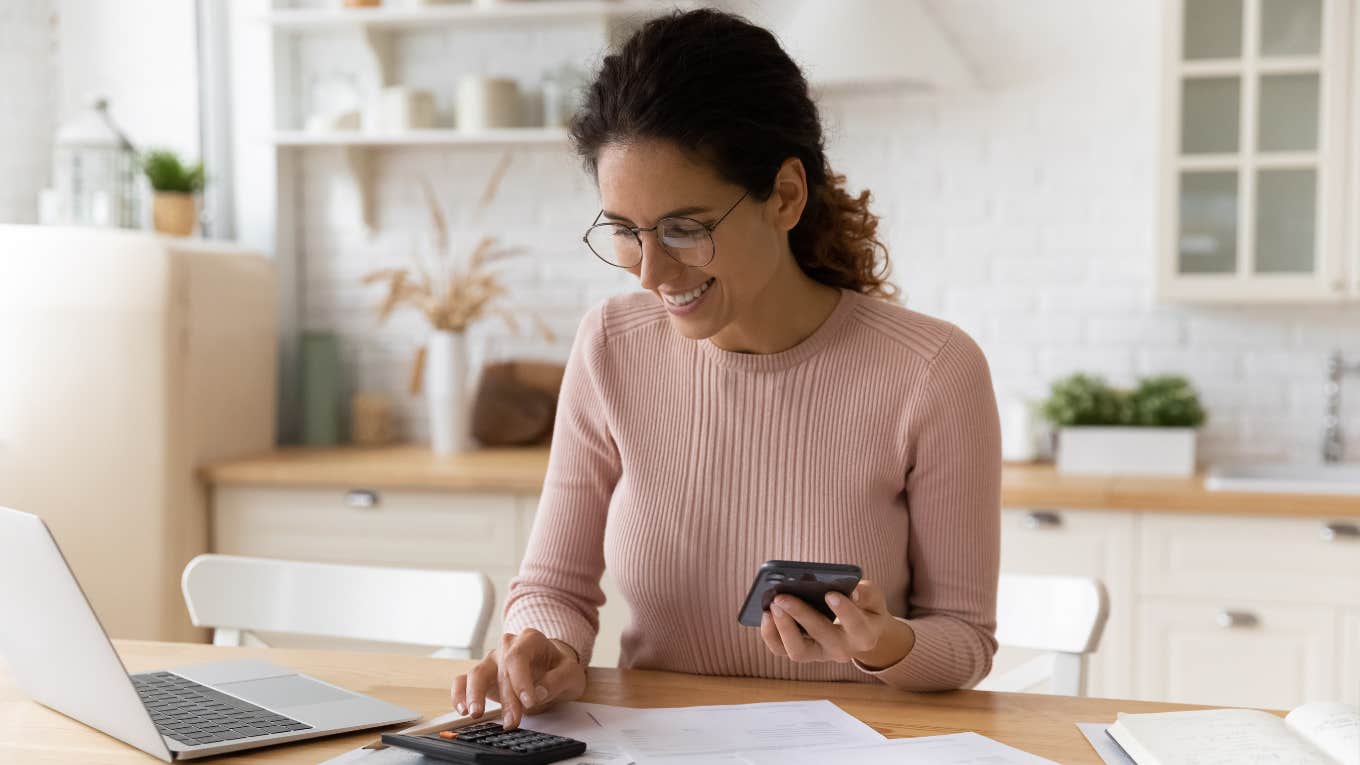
pixel 642 182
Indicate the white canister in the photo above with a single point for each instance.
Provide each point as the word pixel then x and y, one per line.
pixel 487 102
pixel 398 108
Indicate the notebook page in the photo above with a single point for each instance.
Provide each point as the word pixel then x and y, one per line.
pixel 1332 727
pixel 1217 737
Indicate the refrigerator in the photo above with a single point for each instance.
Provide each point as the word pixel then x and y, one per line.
pixel 127 361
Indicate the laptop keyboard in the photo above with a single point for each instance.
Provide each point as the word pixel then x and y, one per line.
pixel 194 714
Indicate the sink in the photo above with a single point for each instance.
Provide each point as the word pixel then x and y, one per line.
pixel 1295 478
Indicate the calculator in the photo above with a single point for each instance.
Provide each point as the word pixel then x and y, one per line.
pixel 489 744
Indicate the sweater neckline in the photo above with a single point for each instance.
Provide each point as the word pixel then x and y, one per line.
pixel 789 357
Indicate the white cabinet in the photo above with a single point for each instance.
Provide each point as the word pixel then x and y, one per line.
pixel 426 529
pixel 1254 152
pixel 1350 656
pixel 1079 543
pixel 1236 652
pixel 1243 610
pixel 1207 609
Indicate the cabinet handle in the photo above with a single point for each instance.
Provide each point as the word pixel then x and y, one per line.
pixel 1042 519
pixel 361 499
pixel 1228 619
pixel 1332 532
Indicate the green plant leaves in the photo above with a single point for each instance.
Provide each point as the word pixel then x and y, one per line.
pixel 167 173
pixel 1164 401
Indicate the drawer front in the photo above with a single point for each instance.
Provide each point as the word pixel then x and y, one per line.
pixel 1280 559
pixel 396 528
pixel 1350 657
pixel 1079 543
pixel 1236 652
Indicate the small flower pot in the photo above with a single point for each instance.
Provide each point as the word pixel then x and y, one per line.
pixel 1126 451
pixel 174 213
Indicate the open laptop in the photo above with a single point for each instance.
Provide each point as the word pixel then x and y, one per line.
pixel 58 653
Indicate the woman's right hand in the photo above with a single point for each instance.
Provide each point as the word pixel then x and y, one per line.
pixel 527 674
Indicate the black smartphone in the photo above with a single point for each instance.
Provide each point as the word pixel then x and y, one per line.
pixel 809 581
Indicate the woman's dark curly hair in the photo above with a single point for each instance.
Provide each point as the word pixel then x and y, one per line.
pixel 723 90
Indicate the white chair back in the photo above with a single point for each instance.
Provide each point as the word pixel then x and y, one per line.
pixel 1063 616
pixel 236 595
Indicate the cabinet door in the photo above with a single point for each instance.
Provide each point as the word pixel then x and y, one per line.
pixel 1235 652
pixel 1079 543
pixel 1350 657
pixel 1253 136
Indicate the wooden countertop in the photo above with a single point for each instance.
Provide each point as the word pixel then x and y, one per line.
pixel 521 471
pixel 1037 723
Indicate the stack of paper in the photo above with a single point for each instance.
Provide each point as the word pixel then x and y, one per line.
pixel 778 733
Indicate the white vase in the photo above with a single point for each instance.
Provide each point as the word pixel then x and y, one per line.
pixel 446 392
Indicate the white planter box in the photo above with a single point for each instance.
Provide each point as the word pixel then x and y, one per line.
pixel 1126 451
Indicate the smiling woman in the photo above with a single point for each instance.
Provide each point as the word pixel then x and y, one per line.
pixel 763 398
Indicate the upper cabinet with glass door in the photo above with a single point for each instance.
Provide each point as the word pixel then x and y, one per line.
pixel 1254 151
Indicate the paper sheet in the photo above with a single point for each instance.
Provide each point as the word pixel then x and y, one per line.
pixel 951 749
pixel 1105 746
pixel 659 735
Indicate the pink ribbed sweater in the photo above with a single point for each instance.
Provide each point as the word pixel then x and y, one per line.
pixel 682 467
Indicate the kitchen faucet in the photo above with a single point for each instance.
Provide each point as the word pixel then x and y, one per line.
pixel 1333 441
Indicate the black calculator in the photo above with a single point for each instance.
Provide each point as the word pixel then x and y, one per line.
pixel 489 744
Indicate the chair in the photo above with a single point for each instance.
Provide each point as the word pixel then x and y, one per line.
pixel 238 597
pixel 1063 616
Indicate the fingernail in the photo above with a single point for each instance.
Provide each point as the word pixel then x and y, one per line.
pixel 541 693
pixel 834 599
pixel 778 605
pixel 462 710
pixel 526 699
pixel 475 710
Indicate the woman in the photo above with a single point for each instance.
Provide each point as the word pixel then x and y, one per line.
pixel 762 399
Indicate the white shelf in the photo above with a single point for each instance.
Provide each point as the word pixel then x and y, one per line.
pixel 359 138
pixel 306 19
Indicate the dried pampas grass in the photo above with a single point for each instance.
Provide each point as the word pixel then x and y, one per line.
pixel 453 295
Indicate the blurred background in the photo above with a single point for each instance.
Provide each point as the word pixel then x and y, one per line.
pixel 1163 191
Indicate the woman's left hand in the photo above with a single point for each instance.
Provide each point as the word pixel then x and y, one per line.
pixel 863 630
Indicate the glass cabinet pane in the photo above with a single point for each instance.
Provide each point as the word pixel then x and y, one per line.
pixel 1207 240
pixel 1291 27
pixel 1213 29
pixel 1288 113
pixel 1286 215
pixel 1209 115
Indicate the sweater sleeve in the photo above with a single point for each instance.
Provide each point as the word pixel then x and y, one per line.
pixel 558 590
pixel 953 487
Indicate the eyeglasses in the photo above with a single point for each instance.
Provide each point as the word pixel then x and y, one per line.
pixel 686 240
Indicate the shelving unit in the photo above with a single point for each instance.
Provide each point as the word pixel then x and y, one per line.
pixel 545 136
pixel 304 20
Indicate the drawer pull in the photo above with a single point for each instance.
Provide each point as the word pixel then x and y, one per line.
pixel 1042 519
pixel 1230 619
pixel 1332 532
pixel 361 499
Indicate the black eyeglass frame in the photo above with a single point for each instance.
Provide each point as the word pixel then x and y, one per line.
pixel 637 234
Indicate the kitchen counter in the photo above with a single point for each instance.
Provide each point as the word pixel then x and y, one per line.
pixel 1024 485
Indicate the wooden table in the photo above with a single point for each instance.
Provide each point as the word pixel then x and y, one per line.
pixel 1043 725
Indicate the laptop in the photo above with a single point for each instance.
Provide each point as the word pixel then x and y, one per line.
pixel 55 649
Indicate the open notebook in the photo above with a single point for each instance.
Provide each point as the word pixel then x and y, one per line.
pixel 1313 734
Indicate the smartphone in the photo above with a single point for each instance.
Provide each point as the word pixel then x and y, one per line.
pixel 809 581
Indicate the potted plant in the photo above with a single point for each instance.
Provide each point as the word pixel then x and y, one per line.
pixel 174 208
pixel 453 294
pixel 1150 430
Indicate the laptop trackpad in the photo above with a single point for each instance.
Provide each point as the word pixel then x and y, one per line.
pixel 285 691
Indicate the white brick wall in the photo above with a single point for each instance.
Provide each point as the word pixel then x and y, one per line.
pixel 1023 211
pixel 27 106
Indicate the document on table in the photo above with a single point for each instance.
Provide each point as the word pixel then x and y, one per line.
pixel 664 734
pixel 1109 751
pixel 950 749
